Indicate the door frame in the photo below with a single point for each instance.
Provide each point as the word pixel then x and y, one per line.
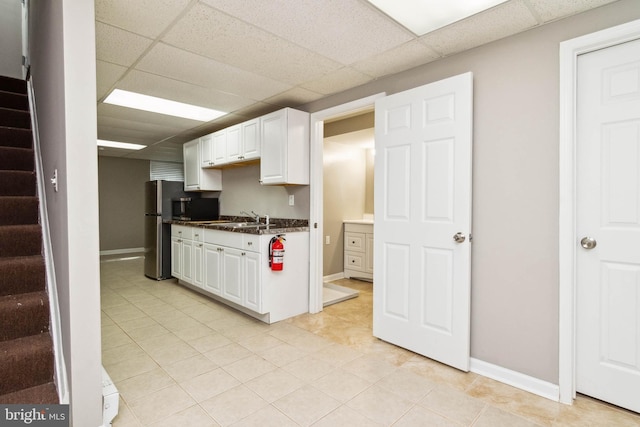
pixel 316 191
pixel 569 52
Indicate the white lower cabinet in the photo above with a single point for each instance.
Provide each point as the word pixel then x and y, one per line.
pixel 358 250
pixel 234 268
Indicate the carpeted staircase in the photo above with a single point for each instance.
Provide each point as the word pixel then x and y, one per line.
pixel 26 348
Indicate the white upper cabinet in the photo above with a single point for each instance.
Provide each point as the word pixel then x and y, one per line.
pixel 195 177
pixel 251 139
pixel 284 157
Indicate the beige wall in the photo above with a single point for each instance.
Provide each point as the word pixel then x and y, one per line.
pixel 344 187
pixel 63 60
pixel 514 295
pixel 121 191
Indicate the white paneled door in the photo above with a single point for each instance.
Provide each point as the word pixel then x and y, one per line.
pixel 423 219
pixel 608 225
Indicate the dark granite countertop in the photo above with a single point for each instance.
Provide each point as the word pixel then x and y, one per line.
pixel 225 223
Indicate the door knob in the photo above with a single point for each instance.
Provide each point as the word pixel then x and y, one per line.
pixel 588 242
pixel 459 237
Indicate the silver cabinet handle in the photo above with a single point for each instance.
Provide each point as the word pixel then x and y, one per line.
pixel 459 237
pixel 588 242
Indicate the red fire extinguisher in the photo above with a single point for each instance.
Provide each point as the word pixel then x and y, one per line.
pixel 276 253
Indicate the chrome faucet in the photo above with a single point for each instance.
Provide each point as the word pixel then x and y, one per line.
pixel 256 216
pixel 266 218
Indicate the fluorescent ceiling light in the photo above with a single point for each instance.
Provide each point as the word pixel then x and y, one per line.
pixel 124 145
pixel 423 16
pixel 138 101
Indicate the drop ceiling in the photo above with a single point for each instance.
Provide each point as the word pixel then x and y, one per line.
pixel 252 57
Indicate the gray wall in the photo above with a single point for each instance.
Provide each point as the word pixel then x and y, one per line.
pixel 62 51
pixel 514 295
pixel 11 40
pixel 121 192
pixel 241 191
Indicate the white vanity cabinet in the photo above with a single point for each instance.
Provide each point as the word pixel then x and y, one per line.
pixel 235 270
pixel 284 156
pixel 197 178
pixel 358 249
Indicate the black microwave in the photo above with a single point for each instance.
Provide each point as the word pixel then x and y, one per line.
pixel 190 209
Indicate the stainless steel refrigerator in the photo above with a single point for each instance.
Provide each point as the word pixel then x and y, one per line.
pixel 157 235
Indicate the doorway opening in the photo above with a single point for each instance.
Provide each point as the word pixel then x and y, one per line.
pixel 318 235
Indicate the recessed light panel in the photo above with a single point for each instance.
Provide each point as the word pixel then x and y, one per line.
pixel 138 101
pixel 424 16
pixel 124 145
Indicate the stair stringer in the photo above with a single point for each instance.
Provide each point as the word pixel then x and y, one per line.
pixel 52 289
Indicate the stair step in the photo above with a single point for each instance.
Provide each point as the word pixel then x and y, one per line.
pixel 13 100
pixel 44 394
pixel 15 137
pixel 22 274
pixel 17 183
pixel 20 240
pixel 23 315
pixel 25 362
pixel 15 118
pixel 9 84
pixel 18 210
pixel 13 158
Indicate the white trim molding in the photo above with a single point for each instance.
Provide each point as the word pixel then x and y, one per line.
pixel 569 52
pixel 515 379
pixel 317 191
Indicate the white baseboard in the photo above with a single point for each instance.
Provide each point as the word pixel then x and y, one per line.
pixel 121 251
pixel 516 379
pixel 331 277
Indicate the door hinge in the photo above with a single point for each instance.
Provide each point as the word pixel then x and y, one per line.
pixel 315 225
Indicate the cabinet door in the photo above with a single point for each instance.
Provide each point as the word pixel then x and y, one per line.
pixel 206 145
pixel 273 159
pixel 219 147
pixel 212 260
pixel 187 260
pixel 191 152
pixel 176 257
pixel 198 253
pixel 368 260
pixel 251 139
pixel 234 144
pixel 232 275
pixel 252 282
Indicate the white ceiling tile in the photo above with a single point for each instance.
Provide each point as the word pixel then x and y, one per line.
pixel 337 81
pixel 499 22
pixel 343 30
pixel 118 46
pixel 107 75
pixel 293 97
pixel 146 17
pixel 407 56
pixel 163 151
pixel 550 10
pixel 139 124
pixel 175 90
pixel 218 36
pixel 189 67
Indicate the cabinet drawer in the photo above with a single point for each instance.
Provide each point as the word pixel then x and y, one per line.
pixel 353 261
pixel 354 242
pixel 182 231
pixel 198 234
pixel 251 242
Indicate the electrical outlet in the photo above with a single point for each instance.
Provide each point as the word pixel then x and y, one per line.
pixel 291 200
pixel 327 240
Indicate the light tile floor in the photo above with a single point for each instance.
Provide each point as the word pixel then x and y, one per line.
pixel 181 359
